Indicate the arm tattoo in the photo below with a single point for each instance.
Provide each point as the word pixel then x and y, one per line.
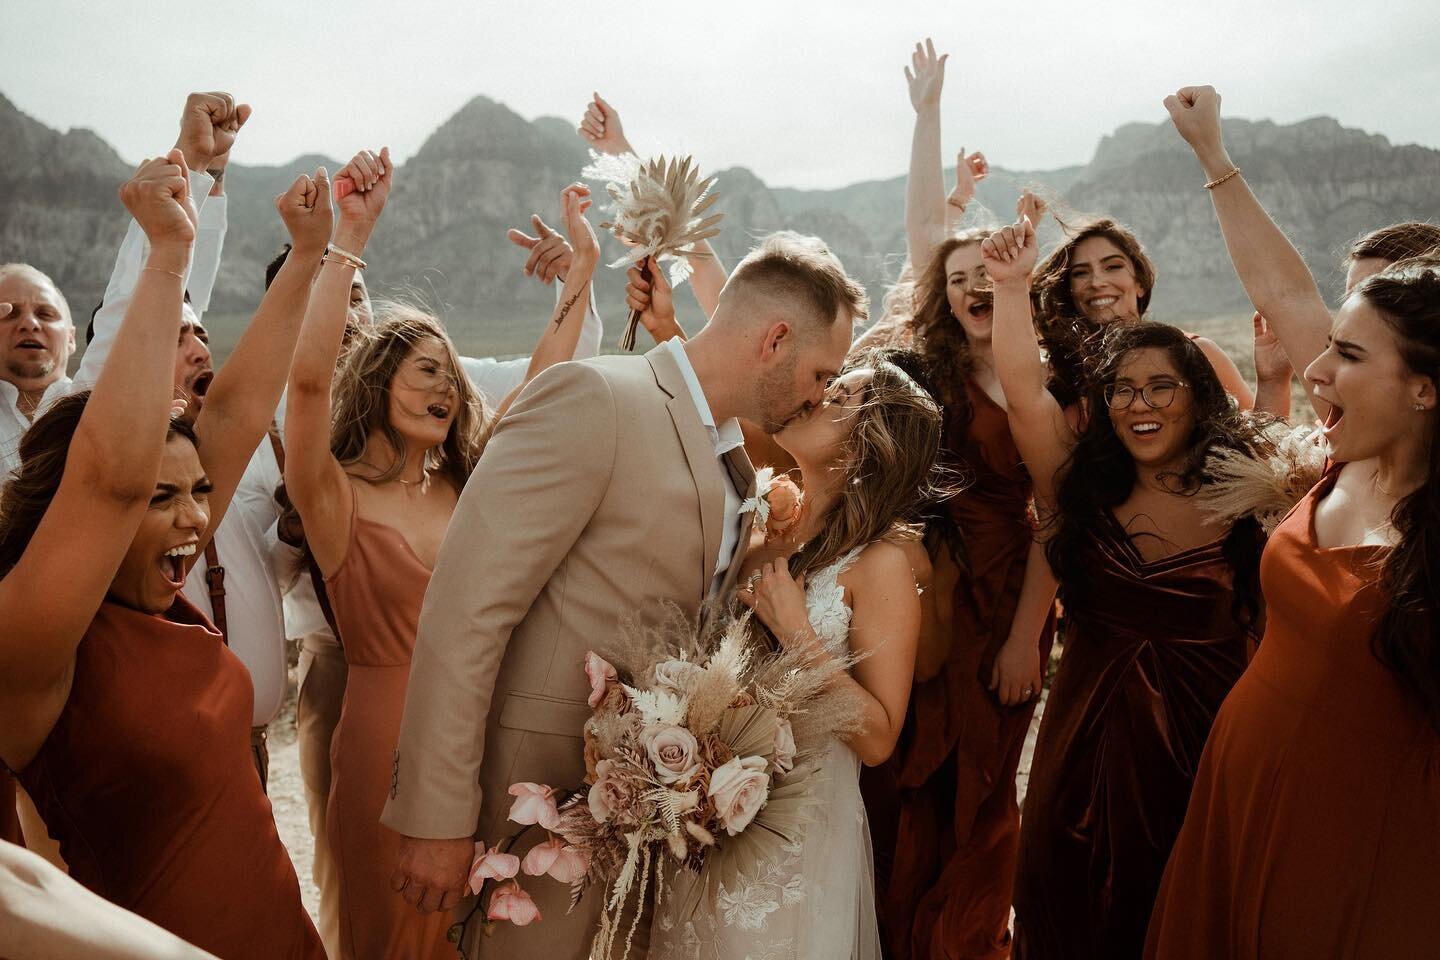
pixel 565 307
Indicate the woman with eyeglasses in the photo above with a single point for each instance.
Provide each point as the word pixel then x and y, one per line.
pixel 1161 603
pixel 379 452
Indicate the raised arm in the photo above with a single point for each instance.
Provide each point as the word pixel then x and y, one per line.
pixel 242 399
pixel 1273 372
pixel 49 597
pixel 925 185
pixel 214 212
pixel 560 336
pixel 1270 268
pixel 1037 421
pixel 314 479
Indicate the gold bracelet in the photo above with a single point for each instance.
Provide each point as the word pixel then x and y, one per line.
pixel 342 256
pixel 1234 172
pixel 178 276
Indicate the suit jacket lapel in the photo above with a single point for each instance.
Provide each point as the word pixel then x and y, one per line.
pixel 742 472
pixel 699 453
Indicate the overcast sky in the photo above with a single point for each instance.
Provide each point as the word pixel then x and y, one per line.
pixel 806 93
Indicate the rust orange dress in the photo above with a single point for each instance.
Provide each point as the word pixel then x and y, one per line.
pixel 1151 650
pixel 376 594
pixel 146 781
pixel 953 823
pixel 1314 826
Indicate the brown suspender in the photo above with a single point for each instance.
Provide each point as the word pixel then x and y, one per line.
pixel 214 572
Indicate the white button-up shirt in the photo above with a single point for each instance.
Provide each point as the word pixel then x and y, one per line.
pixel 724 438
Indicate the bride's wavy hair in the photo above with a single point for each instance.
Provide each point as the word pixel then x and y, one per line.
pixel 890 469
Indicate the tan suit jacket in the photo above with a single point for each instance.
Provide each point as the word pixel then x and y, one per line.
pixel 598 498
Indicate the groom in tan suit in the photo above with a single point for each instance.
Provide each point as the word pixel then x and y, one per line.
pixel 612 486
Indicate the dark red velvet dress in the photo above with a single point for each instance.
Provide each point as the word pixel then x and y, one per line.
pixel 147 783
pixel 1314 826
pixel 952 812
pixel 1151 651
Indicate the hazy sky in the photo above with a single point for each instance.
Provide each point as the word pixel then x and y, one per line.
pixel 805 93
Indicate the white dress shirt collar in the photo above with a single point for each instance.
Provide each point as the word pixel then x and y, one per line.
pixel 725 436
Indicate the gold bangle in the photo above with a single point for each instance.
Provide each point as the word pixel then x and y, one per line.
pixel 1234 172
pixel 178 276
pixel 342 256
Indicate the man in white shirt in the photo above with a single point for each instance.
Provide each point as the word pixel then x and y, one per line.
pixel 37 337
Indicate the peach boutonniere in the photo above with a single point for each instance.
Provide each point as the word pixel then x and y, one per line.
pixel 776 504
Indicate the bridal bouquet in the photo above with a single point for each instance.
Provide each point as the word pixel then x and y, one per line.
pixel 702 760
pixel 657 208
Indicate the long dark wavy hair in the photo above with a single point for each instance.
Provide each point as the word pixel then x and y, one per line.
pixel 1100 474
pixel 1067 335
pixel 44 451
pixel 1407 295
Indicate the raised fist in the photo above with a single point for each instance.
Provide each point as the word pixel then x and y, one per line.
pixel 1195 111
pixel 600 127
pixel 1031 206
pixel 1010 252
pixel 363 186
pixel 305 208
pixel 208 128
pixel 925 76
pixel 158 197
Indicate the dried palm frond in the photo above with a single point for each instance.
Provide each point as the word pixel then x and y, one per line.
pixel 1267 487
pixel 657 209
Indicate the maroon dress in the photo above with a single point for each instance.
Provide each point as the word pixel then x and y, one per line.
pixel 1314 826
pixel 146 782
pixel 1151 650
pixel 957 826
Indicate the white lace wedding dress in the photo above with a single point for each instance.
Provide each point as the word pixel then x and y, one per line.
pixel 819 902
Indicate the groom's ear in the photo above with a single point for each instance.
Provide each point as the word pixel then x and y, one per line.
pixel 776 337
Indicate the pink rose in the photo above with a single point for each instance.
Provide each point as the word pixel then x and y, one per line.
pixel 739 789
pixel 676 675
pixel 673 751
pixel 784 758
pixel 561 861
pixel 612 793
pixel 534 803
pixel 509 902
pixel 491 865
pixel 784 499
pixel 600 674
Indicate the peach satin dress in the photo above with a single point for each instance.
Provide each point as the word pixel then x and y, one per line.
pixel 376 594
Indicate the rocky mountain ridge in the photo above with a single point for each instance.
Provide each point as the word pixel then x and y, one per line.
pixel 487 169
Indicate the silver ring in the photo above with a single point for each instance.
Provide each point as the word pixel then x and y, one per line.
pixel 1029 691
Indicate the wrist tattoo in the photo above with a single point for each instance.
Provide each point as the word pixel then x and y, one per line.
pixel 565 307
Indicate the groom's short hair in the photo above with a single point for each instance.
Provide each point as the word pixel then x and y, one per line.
pixel 797 271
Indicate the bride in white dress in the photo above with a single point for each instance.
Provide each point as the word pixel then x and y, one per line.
pixel 842 581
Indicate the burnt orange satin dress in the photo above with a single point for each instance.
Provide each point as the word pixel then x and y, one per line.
pixel 147 783
pixel 1314 826
pixel 1151 650
pixel 953 812
pixel 376 594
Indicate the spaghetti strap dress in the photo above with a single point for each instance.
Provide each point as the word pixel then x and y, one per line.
pixel 1314 825
pixel 376 594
